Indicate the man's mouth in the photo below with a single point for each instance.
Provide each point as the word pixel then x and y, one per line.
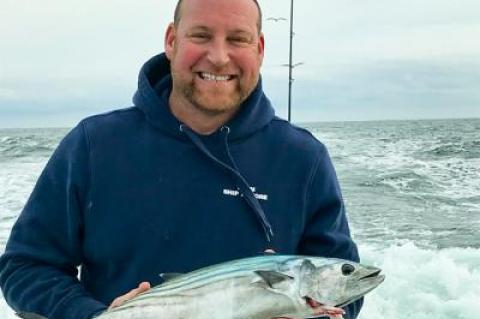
pixel 215 77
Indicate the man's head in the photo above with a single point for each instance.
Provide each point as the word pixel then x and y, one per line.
pixel 215 48
pixel 177 15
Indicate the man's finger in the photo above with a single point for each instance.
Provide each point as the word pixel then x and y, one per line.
pixel 142 287
pixel 116 302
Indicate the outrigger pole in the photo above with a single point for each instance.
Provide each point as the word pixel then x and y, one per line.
pixel 290 65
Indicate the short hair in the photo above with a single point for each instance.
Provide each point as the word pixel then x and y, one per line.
pixel 176 16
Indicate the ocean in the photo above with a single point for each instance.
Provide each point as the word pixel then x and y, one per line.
pixel 412 192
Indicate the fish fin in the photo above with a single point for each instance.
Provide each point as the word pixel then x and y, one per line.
pixel 307 267
pixel 273 278
pixel 166 276
pixel 29 315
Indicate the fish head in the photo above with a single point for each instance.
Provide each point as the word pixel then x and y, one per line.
pixel 337 284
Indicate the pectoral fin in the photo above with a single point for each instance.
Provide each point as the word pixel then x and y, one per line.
pixel 272 278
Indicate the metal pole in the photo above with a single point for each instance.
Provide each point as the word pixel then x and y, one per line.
pixel 290 65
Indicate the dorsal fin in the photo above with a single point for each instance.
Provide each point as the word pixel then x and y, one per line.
pixel 166 276
pixel 272 278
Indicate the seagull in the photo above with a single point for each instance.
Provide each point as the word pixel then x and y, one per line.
pixel 277 19
pixel 294 65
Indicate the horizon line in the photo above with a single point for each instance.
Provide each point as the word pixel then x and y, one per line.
pixel 300 123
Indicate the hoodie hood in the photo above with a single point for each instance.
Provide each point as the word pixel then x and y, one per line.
pixel 155 85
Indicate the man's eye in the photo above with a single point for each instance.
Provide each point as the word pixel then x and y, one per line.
pixel 239 40
pixel 200 36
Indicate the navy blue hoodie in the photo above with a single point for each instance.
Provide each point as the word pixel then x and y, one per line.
pixel 134 193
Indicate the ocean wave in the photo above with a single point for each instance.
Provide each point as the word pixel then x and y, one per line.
pixel 30 144
pixel 423 283
pixel 462 149
pixel 25 146
pixel 448 180
pixel 404 181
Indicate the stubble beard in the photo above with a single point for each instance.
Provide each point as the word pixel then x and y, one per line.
pixel 195 98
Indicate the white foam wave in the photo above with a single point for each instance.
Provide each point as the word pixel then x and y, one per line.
pixel 422 283
pixel 405 163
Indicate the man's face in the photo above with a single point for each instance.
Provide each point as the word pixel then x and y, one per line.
pixel 215 54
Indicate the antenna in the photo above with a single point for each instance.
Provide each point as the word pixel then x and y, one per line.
pixel 290 64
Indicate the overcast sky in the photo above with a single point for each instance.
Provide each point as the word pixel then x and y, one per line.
pixel 62 60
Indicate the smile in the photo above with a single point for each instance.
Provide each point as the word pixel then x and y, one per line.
pixel 214 77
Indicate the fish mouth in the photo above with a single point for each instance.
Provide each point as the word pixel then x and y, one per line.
pixel 372 275
pixel 374 279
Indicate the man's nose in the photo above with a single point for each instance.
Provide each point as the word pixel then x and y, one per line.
pixel 218 53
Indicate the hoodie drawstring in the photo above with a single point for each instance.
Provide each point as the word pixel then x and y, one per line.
pixel 242 183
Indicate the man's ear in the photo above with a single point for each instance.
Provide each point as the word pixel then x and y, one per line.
pixel 169 42
pixel 261 47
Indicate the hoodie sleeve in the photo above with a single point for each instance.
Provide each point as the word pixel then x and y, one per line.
pixel 327 233
pixel 38 271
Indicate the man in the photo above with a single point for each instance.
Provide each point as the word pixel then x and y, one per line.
pixel 198 172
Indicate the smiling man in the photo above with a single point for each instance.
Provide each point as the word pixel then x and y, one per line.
pixel 215 50
pixel 199 171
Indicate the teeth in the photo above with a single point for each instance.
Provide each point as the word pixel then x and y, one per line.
pixel 213 77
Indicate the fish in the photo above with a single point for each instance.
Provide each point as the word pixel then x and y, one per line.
pixel 262 287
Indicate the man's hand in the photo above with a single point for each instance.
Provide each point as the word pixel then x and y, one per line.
pixel 142 287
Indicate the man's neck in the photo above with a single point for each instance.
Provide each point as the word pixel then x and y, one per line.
pixel 198 120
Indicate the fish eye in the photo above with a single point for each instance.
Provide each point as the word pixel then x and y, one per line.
pixel 347 269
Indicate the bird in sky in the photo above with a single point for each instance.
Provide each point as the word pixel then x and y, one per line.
pixel 277 19
pixel 294 65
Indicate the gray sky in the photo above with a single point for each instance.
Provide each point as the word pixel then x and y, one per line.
pixel 62 60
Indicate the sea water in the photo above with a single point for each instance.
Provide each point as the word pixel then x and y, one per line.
pixel 412 191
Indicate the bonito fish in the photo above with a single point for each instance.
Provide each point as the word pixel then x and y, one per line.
pixel 255 288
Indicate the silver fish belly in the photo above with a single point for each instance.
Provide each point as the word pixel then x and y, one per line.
pixel 254 288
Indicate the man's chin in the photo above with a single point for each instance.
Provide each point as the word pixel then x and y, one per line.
pixel 217 107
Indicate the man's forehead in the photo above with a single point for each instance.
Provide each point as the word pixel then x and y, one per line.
pixel 201 9
pixel 225 3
